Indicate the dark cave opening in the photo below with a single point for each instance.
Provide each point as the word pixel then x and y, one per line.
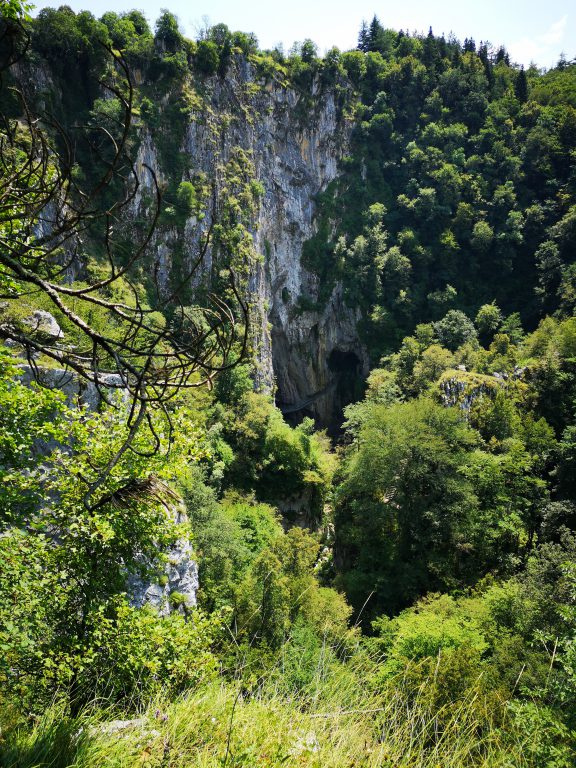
pixel 344 362
pixel 347 369
pixel 345 385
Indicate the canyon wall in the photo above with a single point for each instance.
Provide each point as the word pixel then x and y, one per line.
pixel 305 353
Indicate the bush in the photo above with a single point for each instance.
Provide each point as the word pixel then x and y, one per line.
pixel 207 57
pixel 488 320
pixel 455 329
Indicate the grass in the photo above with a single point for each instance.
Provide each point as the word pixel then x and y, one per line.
pixel 336 725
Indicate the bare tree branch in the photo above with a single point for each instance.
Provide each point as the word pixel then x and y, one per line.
pixel 51 215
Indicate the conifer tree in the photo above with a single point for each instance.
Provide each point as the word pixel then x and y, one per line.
pixel 521 86
pixel 375 34
pixel 363 37
pixel 430 55
pixel 502 55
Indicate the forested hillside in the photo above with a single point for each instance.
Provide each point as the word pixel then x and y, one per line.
pixel 210 254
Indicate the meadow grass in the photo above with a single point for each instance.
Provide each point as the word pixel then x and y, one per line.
pixel 337 723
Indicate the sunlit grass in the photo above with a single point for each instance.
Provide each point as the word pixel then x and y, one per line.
pixel 337 723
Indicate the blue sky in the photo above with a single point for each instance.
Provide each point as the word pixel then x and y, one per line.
pixel 533 31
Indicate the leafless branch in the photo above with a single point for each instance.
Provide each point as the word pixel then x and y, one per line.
pixel 49 211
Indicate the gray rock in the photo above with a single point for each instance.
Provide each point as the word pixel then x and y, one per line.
pixel 180 578
pixel 118 726
pixel 44 323
pixel 295 157
pixel 76 389
pixel 453 393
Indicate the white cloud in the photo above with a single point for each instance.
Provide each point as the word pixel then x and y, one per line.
pixel 542 49
pixel 556 32
pixel 526 51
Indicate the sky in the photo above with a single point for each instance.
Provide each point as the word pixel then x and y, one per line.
pixel 533 31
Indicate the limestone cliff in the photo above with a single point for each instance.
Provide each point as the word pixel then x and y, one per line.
pixel 292 143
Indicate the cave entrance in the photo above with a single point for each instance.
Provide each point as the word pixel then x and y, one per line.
pixel 344 362
pixel 345 385
pixel 347 369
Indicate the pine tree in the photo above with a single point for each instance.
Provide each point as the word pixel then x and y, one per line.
pixel 363 38
pixel 484 57
pixel 430 54
pixel 375 34
pixel 502 55
pixel 442 47
pixel 521 86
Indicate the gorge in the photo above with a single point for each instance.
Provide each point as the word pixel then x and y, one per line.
pixel 287 399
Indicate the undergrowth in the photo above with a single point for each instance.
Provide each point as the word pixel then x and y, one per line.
pixel 336 722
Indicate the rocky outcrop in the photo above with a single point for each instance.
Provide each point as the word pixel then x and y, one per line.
pixel 44 324
pixel 175 583
pixel 463 388
pixel 78 391
pixel 304 352
pixel 176 587
pixel 302 355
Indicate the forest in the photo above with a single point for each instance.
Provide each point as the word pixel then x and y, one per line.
pixel 188 576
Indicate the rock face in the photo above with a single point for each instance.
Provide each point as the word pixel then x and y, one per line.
pixel 44 324
pixel 463 388
pixel 302 355
pixel 77 390
pixel 176 589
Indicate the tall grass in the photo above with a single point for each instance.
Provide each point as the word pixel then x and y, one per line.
pixel 337 722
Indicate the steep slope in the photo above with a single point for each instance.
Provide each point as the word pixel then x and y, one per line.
pixel 288 146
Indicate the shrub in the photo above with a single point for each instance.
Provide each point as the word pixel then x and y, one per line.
pixel 207 58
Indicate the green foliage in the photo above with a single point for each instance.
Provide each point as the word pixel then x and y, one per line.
pixel 340 724
pixel 16 10
pixel 128 31
pixel 207 57
pixel 281 592
pixel 228 536
pixel 71 40
pixel 79 514
pixel 433 628
pixel 499 476
pixel 404 509
pixel 434 360
pixel 456 472
pixel 270 458
pixel 488 320
pixel 167 32
pixel 186 197
pixel 455 329
pixel 441 126
pixel 234 384
pixel 27 416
